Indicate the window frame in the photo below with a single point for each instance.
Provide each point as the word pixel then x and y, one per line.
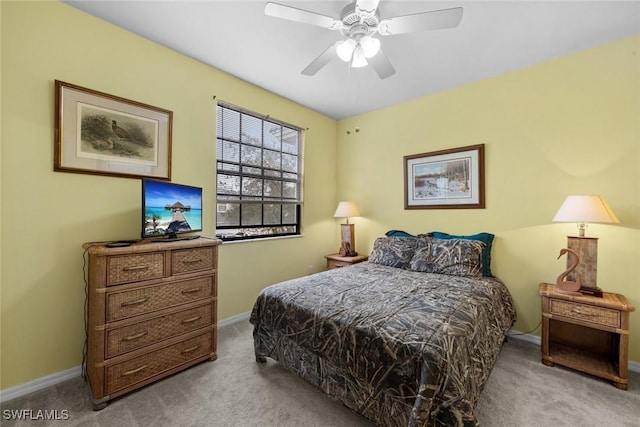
pixel 260 173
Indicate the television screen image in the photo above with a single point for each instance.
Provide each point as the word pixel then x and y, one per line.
pixel 170 209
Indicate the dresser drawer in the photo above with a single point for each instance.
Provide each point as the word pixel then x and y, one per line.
pixel 130 337
pixel 190 260
pixel 585 312
pixel 133 302
pixel 134 268
pixel 140 368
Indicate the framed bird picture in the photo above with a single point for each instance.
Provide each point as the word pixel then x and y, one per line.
pixel 103 134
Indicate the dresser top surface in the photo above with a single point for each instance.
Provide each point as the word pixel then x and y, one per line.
pixel 100 248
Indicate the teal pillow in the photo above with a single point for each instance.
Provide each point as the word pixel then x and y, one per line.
pixel 398 233
pixel 486 238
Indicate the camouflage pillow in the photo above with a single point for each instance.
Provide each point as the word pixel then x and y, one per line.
pixel 393 251
pixel 455 257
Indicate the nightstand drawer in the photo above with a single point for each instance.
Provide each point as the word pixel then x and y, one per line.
pixel 337 264
pixel 585 312
pixel 338 261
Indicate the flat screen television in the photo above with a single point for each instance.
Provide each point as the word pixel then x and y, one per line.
pixel 170 210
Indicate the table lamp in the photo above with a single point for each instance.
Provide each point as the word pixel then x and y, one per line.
pixel 584 209
pixel 347 231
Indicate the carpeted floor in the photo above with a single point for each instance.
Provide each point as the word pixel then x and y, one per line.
pixel 236 391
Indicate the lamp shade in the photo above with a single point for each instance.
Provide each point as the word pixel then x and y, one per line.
pixel 346 210
pixel 585 208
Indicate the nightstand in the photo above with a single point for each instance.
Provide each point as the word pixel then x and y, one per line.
pixel 586 333
pixel 337 261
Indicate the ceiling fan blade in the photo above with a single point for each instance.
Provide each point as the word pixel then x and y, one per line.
pixel 380 63
pixel 298 15
pixel 434 20
pixel 366 8
pixel 322 60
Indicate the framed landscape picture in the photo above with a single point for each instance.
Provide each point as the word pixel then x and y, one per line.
pixel 446 179
pixel 98 133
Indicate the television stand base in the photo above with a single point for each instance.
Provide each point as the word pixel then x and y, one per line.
pixel 175 239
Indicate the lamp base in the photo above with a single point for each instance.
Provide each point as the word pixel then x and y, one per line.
pixel 587 250
pixel 594 292
pixel 348 235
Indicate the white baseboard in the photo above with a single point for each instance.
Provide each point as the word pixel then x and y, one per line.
pixel 53 379
pixel 234 319
pixel 40 383
pixel 534 339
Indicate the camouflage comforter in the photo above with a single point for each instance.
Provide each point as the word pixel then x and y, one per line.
pixel 399 347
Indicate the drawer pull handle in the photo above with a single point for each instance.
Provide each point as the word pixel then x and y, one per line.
pixel 191 320
pixel 134 371
pixel 135 302
pixel 192 290
pixel 135 267
pixel 192 261
pixel 135 337
pixel 190 349
pixel 577 310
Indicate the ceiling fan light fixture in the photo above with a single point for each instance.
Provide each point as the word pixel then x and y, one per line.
pixel 370 46
pixel 359 59
pixel 345 48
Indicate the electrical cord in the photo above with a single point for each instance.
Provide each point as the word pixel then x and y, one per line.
pixel 527 332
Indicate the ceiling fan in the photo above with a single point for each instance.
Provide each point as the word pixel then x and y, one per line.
pixel 359 23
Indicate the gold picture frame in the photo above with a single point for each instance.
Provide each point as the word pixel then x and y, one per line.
pixel 445 179
pixel 98 133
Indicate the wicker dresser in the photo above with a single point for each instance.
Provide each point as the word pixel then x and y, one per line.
pixel 586 333
pixel 151 312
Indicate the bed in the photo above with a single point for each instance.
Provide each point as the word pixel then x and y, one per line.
pixel 407 338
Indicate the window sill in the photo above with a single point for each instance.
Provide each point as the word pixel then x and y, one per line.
pixel 261 239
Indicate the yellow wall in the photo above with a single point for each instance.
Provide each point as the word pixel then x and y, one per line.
pixel 567 126
pixel 46 215
pixel 562 127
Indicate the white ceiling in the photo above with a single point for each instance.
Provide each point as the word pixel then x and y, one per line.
pixel 493 37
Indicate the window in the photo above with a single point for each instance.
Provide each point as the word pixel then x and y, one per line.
pixel 259 172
